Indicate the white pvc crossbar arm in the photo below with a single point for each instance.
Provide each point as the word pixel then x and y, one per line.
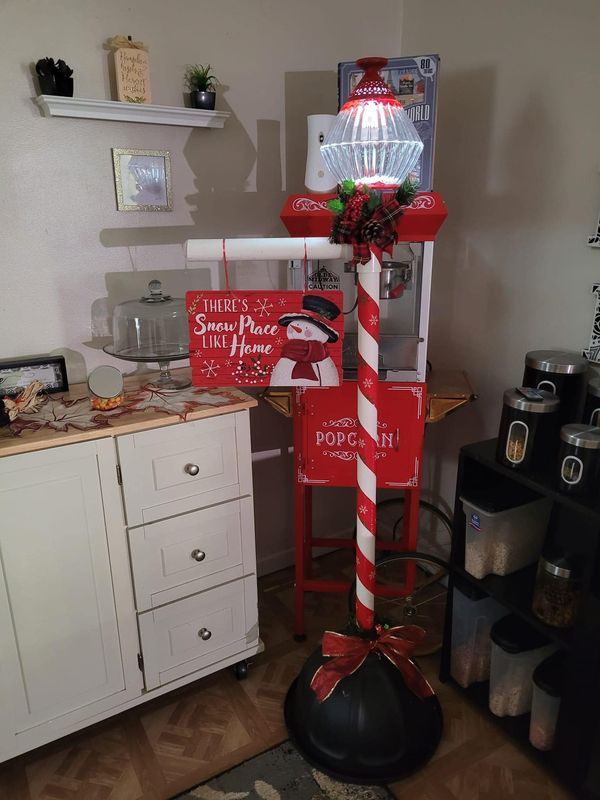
pixel 283 249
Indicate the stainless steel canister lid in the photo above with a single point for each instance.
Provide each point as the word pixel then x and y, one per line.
pixel 515 399
pixel 593 387
pixel 585 436
pixel 560 570
pixel 562 362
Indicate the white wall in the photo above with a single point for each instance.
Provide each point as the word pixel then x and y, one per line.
pixel 517 162
pixel 63 244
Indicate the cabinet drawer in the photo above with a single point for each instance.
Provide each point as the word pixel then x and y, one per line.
pixel 178 557
pixel 180 468
pixel 191 634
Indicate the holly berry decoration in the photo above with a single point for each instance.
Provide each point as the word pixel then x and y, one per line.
pixel 363 216
pixel 251 372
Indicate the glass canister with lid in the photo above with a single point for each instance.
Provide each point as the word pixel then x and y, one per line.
pixel 562 373
pixel 557 588
pixel 517 649
pixel 591 409
pixel 528 428
pixel 473 614
pixel 579 459
pixel 548 685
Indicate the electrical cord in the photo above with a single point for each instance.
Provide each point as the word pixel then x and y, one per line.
pixel 353 307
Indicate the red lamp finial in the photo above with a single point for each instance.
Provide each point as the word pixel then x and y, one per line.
pixel 372 140
pixel 372 86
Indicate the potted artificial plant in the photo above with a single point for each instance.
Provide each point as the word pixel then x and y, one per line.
pixel 201 83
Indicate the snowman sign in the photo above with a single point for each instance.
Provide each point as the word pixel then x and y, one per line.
pixel 265 338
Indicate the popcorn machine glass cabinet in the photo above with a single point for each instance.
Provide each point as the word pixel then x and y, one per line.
pixel 400 310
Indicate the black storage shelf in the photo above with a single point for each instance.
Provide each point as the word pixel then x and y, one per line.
pixel 515 592
pixel 575 757
pixel 544 483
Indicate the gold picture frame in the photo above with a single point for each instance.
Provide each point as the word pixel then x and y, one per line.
pixel 142 179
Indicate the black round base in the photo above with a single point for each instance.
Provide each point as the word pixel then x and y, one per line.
pixel 372 729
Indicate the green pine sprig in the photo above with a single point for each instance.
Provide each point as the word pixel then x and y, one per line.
pixel 407 192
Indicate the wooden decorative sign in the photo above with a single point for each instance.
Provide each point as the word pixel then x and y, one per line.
pixel 132 70
pixel 265 338
pixel 326 446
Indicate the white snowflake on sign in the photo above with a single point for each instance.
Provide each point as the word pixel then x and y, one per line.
pixel 278 341
pixel 373 319
pixel 367 383
pixel 361 442
pixel 263 307
pixel 210 368
pixel 281 301
pixel 229 363
pixel 362 509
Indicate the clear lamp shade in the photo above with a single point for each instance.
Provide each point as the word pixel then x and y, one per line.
pixel 372 142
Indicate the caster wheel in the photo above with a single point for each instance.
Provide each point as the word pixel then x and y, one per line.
pixel 240 670
pixel 299 637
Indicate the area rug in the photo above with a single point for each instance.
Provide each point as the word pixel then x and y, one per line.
pixel 280 774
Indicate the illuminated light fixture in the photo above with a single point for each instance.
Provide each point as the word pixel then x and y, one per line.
pixel 372 140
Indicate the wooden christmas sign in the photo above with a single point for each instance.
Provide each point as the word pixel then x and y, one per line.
pixel 327 434
pixel 265 338
pixel 132 70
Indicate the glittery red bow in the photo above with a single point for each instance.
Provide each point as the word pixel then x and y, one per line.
pixel 349 652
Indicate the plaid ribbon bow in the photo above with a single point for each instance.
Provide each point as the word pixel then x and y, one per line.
pixel 379 229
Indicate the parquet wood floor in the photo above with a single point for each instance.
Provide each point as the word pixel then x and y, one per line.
pixel 168 745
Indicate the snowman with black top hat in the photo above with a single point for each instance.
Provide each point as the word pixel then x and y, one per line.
pixel 305 359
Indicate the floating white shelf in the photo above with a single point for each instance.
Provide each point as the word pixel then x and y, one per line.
pixel 55 106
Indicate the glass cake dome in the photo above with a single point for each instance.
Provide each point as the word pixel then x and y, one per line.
pixel 153 328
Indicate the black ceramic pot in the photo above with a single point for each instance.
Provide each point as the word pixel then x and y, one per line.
pixel 204 100
pixel 64 86
pixel 372 729
pixel 47 84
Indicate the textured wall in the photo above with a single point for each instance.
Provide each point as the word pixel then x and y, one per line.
pixel 517 163
pixel 65 248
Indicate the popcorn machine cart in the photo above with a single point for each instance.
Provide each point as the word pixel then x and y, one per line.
pixel 326 427
pixel 325 419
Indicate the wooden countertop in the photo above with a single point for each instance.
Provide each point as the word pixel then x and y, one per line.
pixel 133 422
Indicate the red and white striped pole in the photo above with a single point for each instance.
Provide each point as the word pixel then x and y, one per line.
pixel 367 385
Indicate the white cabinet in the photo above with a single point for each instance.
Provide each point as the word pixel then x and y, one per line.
pixel 179 638
pixel 111 594
pixel 60 655
pixel 172 470
pixel 192 552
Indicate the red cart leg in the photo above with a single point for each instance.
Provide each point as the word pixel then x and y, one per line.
pixel 308 530
pixel 299 632
pixel 410 531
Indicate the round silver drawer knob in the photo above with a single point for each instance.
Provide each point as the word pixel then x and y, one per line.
pixel 198 555
pixel 191 469
pixel 204 634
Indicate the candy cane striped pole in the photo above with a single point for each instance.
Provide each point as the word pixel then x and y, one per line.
pixel 368 362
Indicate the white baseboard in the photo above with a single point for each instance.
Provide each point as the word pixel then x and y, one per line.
pixel 275 561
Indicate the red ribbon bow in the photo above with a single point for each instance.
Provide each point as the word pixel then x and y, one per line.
pixel 349 652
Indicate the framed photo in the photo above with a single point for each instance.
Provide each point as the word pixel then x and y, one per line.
pixel 16 374
pixel 142 179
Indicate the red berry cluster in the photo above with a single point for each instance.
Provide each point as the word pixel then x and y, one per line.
pixel 354 207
